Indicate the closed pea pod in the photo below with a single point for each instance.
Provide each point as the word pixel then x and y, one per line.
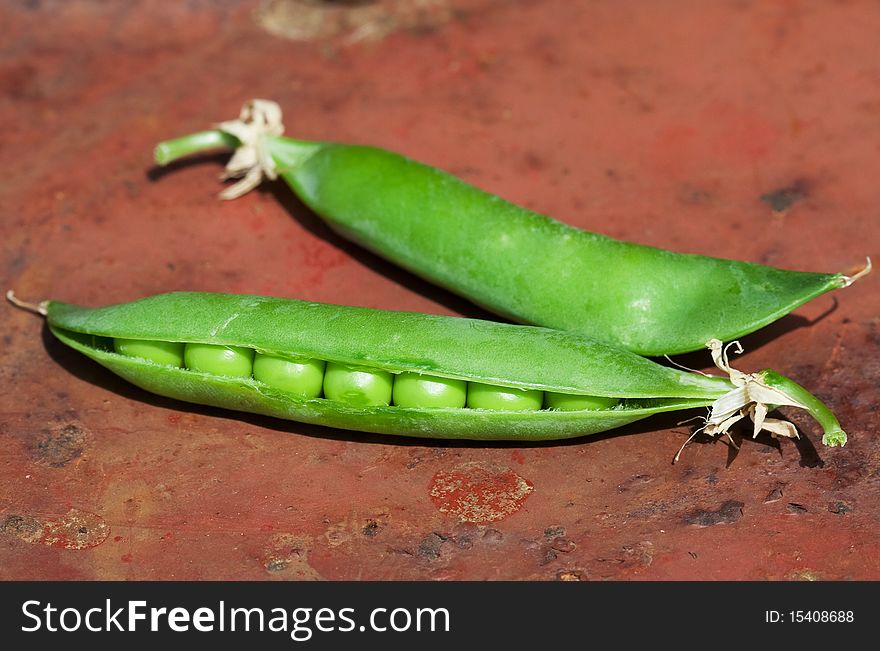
pixel 619 387
pixel 512 261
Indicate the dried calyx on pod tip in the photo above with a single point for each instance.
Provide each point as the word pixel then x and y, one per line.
pixel 755 395
pixel 251 162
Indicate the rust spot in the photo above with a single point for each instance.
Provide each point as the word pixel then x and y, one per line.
pixel 781 199
pixel 338 534
pixel 641 553
pixel 358 20
pixel 476 493
pixel 729 511
pixel 840 508
pixel 371 528
pixel 649 510
pixel 463 542
pixel 464 535
pixel 492 536
pixel 775 493
pixel 569 575
pixel 23 527
pixel 277 564
pixel 562 544
pixel 552 532
pixel 60 445
pixel 74 530
pixel 287 555
pixel 430 546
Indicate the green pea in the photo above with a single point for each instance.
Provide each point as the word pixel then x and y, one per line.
pixel 231 361
pixel 169 353
pixel 571 402
pixel 303 378
pixel 488 396
pixel 429 391
pixel 357 386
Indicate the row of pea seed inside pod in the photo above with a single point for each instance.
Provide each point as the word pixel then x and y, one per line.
pixel 352 385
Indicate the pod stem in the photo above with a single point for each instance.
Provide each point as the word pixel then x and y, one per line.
pixel 833 433
pixel 41 308
pixel 171 150
pixel 250 161
pixel 849 280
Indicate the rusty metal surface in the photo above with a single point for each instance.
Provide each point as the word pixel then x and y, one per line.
pixel 739 129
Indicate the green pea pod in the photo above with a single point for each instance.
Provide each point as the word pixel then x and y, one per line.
pixel 514 262
pixel 625 386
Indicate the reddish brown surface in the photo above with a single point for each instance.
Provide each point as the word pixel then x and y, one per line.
pixel 678 124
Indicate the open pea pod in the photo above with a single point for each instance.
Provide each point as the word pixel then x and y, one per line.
pixel 514 262
pixel 520 382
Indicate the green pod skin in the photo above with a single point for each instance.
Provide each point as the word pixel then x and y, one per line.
pixel 523 265
pixel 519 357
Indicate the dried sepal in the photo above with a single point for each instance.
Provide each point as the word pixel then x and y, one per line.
pixel 251 162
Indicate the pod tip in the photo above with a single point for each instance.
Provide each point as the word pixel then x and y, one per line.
pixel 849 280
pixel 37 308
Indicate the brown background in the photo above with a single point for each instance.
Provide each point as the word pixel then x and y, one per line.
pixel 740 129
